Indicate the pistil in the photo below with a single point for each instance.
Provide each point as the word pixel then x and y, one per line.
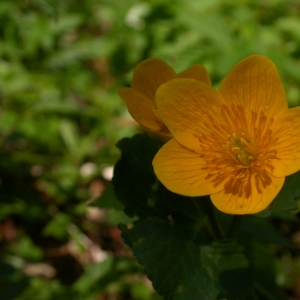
pixel 240 152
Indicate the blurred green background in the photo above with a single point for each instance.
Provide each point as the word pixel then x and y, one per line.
pixel 61 64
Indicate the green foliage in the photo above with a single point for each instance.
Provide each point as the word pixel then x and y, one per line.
pixel 61 64
pixel 109 201
pixel 185 254
pixel 25 248
pixel 57 227
pixel 172 262
pixel 147 197
pixel 96 279
pixel 12 281
pixel 135 195
pixel 289 194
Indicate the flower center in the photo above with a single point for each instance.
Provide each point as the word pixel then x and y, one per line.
pixel 238 150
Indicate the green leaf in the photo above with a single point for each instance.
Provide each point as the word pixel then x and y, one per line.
pixel 12 281
pixel 93 274
pixel 57 227
pixel 172 261
pixel 227 260
pixel 137 188
pixel 108 200
pixel 192 207
pixel 103 275
pixel 260 228
pixel 26 248
pixel 285 215
pixel 50 7
pixel 262 262
pixel 286 199
pixel 134 179
pixel 69 134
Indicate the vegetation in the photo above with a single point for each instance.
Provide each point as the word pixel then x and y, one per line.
pixel 61 65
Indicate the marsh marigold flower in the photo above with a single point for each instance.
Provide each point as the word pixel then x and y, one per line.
pixel 236 144
pixel 148 76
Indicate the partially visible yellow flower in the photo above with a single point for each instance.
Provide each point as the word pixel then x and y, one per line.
pixel 148 76
pixel 236 144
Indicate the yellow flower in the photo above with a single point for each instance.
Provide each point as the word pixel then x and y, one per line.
pixel 148 76
pixel 236 144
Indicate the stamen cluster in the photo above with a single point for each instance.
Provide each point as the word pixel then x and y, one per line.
pixel 237 150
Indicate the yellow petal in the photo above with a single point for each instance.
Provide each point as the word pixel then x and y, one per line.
pixel 197 72
pixel 163 135
pixel 149 75
pixel 234 200
pixel 255 84
pixel 286 128
pixel 141 109
pixel 183 171
pixel 185 105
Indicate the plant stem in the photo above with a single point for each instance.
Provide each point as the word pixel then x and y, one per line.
pixel 234 226
pixel 209 209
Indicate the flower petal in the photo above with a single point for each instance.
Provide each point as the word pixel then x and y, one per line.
pixel 197 72
pixel 234 200
pixel 163 135
pixel 185 105
pixel 149 75
pixel 286 128
pixel 255 84
pixel 141 109
pixel 183 171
